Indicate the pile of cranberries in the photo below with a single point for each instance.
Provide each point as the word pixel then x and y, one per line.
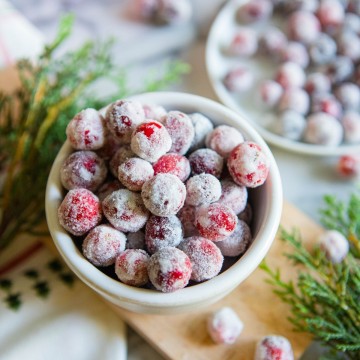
pixel 160 196
pixel 314 91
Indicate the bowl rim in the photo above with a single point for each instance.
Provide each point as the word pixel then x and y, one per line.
pixel 118 292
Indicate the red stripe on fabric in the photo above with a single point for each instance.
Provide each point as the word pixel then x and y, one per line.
pixel 13 263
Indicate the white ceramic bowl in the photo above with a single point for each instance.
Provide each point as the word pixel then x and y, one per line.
pixel 266 201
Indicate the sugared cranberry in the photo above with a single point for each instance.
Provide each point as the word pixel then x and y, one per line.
pixel 351 124
pixel 270 93
pixel 303 26
pixel 103 244
pixel 173 11
pixel 295 52
pixel 107 188
pixel 348 166
pixel 254 11
pixel 290 74
pixel 274 347
pixel 295 99
pixel 122 154
pixel 340 69
pixel 290 124
pixel 169 269
pixel 335 245
pixel 247 214
pixel 233 196
pixel 154 111
pixel 202 126
pixel 349 96
pixel 239 79
pixel 317 82
pixel 206 161
pixel 326 103
pixel 323 49
pixel 175 164
pixel 349 45
pixel 79 212
pixel 187 218
pixel 244 42
pixel 330 14
pixel 272 42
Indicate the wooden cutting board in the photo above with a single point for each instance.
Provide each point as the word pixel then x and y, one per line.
pixel 184 336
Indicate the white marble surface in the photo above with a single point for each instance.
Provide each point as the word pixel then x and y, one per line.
pixel 305 179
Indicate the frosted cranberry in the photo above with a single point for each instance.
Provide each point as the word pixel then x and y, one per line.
pixel 150 141
pixel 349 45
pixel 290 124
pixel 354 6
pixel 187 217
pixel 134 172
pixel 295 99
pixel 238 242
pixel 351 124
pixel 224 326
pixel 330 14
pixel 107 188
pixel 110 147
pixel 181 131
pixel 206 258
pixel 348 166
pixel 247 214
pixel 233 196
pixel 164 194
pixel 135 240
pixel 322 50
pixel 162 232
pixel 169 269
pixel 317 83
pixel 244 42
pixel 351 23
pixel 239 79
pixel 340 69
pixel 206 161
pixel 290 74
pixel 254 11
pixel 349 96
pixel 248 165
pixel 86 130
pixel 146 9
pixel 323 129
pixel 103 244
pixel 223 139
pixel 83 169
pixel 215 221
pixel 79 211
pixel 303 26
pixel 122 117
pixel 272 42
pixel 173 11
pixel 295 52
pixel 202 126
pixel 122 154
pixel 326 103
pixel 293 5
pixel 131 267
pixel 175 164
pixel 202 189
pixel 154 111
pixel 335 245
pixel 270 93
pixel 125 210
pixel 273 347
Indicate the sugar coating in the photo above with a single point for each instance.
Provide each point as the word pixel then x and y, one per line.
pixel 206 161
pixel 317 82
pixel 134 172
pixel 248 165
pixel 206 258
pixel 223 139
pixel 187 217
pixel 107 188
pixel 173 163
pixel 335 245
pixel 273 347
pixel 146 9
pixel 326 103
pixel 254 11
pixel 233 195
pixel 290 124
pixel 270 93
pixel 238 242
pixel 150 140
pixel 202 189
pixel 272 41
pixel 349 96
pixel 131 267
pixel 169 269
pixel 247 214
pixel 351 124
pixel 244 42
pixel 122 154
pixel 110 146
pixel 103 244
pixel 349 166
pixel 323 49
pixel 339 69
pixel 215 221
pixel 153 111
pixel 239 79
pixel 122 117
pixel 330 14
pixel 125 210
pixel 224 326
pixel 295 52
pixel 161 232
pixel 83 169
pixel 79 211
pixel 181 131
pixel 295 99
pixel 202 126
pixel 164 194
pixel 290 74
pixel 86 130
pixel 323 129
pixel 173 11
pixel 136 240
pixel 303 26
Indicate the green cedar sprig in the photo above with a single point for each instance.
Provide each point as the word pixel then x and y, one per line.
pixel 33 120
pixel 324 298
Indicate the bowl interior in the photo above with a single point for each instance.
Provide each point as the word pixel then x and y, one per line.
pixel 266 201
